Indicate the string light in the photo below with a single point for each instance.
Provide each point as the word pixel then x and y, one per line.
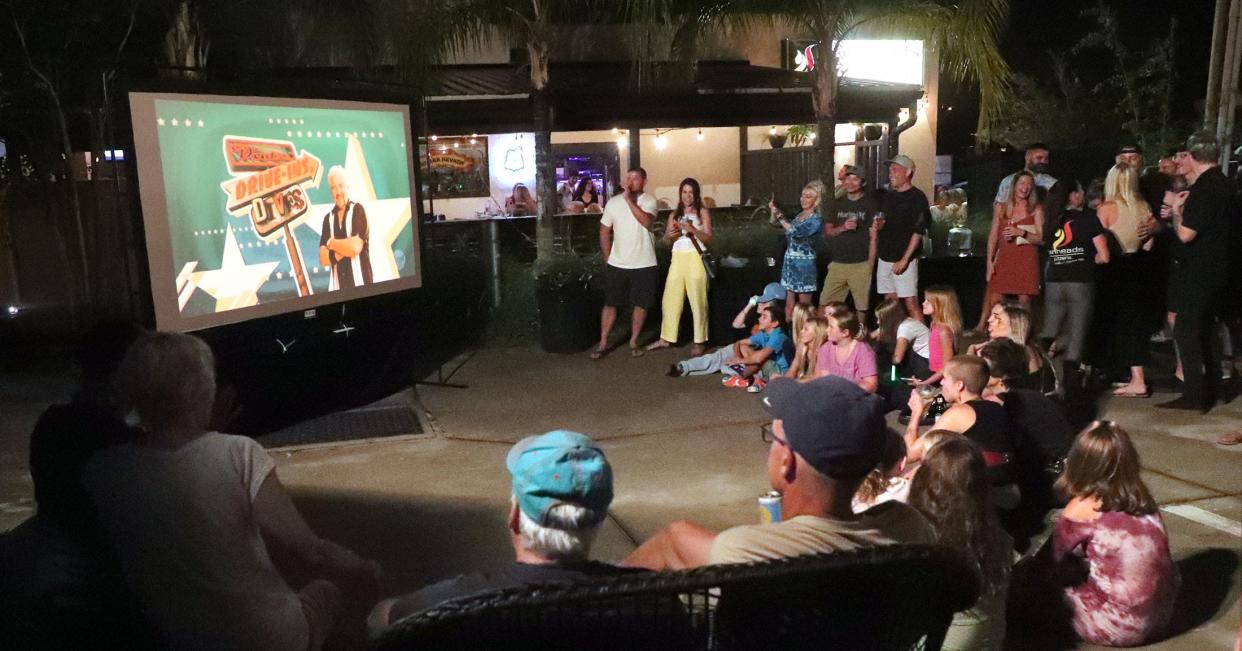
pixel 622 142
pixel 615 131
pixel 700 136
pixel 772 131
pixel 660 142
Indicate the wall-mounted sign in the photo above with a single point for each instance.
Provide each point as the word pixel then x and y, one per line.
pixel 455 167
pixel 896 61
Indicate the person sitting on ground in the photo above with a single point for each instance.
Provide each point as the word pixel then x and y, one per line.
pixel 749 362
pixel 62 565
pixel 884 483
pixel 561 490
pixel 845 355
pixel 826 435
pixel 970 414
pixel 746 320
pixel 945 322
pixel 1044 435
pixel 1013 322
pixel 201 522
pixel 1108 560
pixel 951 490
pixel 833 309
pixel 811 336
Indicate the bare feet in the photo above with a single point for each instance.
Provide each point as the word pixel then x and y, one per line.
pixel 697 349
pixel 1232 438
pixel 658 344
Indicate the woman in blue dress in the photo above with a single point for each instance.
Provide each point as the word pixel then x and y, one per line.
pixel 799 275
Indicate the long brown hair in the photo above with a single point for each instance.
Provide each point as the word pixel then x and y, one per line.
pixel 876 481
pixel 1104 464
pixel 889 316
pixel 951 489
pixel 1032 201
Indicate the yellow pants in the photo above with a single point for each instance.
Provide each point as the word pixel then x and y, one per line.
pixel 686 279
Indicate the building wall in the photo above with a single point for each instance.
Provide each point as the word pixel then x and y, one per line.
pixel 504 151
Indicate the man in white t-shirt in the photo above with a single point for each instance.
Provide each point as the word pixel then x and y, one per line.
pixel 630 271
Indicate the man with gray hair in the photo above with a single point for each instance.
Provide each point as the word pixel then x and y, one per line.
pixel 345 237
pixel 562 486
pixel 1203 228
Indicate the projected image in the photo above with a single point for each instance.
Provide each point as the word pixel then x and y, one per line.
pixel 271 207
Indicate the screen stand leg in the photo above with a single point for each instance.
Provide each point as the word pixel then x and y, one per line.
pixel 442 380
pixel 295 262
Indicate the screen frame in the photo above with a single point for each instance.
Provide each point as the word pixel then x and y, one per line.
pixel 156 226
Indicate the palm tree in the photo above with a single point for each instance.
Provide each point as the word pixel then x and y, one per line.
pixel 964 33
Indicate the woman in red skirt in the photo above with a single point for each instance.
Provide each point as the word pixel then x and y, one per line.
pixel 1013 246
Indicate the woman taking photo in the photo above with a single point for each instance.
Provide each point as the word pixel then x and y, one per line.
pixel 799 275
pixel 1128 217
pixel 1013 246
pixel 689 231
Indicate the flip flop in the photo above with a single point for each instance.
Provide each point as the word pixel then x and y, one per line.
pixel 597 354
pixel 637 352
pixel 1232 438
pixel 1132 394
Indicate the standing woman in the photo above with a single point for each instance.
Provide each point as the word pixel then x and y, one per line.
pixel 799 275
pixel 689 224
pixel 1013 246
pixel 1126 216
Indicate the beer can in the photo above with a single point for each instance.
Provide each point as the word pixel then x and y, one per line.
pixel 769 507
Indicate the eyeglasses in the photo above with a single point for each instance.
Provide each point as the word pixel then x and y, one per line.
pixel 767 435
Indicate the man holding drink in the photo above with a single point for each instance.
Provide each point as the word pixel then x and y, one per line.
pixel 851 244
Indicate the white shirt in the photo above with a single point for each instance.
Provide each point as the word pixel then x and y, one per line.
pixel 632 244
pixel 918 335
pixel 1042 180
pixel 683 243
pixel 183 524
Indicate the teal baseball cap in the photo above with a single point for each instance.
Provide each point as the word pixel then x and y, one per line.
pixel 559 467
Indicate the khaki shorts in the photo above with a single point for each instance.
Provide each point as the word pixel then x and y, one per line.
pixel 848 278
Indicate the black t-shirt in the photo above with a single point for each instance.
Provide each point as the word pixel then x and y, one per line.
pixel 1045 433
pixel 992 430
pixel 905 214
pixel 1208 210
pixel 511 575
pixel 849 247
pixel 1071 253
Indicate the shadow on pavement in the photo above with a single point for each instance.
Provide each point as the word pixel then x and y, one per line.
pixel 1207 588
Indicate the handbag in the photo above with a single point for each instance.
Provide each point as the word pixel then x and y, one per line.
pixel 709 261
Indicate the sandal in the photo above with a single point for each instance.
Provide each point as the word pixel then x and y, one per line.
pixel 598 354
pixel 1232 438
pixel 1129 393
pixel 637 352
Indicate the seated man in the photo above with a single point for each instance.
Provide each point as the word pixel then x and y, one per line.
pixel 827 434
pixel 749 363
pixel 562 486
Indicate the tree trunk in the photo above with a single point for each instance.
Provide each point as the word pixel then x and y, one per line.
pixel 545 174
pixel 824 88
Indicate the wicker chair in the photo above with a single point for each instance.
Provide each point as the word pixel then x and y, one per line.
pixel 895 597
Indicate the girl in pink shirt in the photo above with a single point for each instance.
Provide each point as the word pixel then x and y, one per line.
pixel 845 355
pixel 940 306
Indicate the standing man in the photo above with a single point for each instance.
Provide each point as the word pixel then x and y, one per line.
pixel 630 272
pixel 851 244
pixel 1051 195
pixel 344 239
pixel 904 215
pixel 1200 270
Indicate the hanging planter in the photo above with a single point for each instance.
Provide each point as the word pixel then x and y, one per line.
pixel 776 140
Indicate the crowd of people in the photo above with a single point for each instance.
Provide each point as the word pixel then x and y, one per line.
pixel 200 546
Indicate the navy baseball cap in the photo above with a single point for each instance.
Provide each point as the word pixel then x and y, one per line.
pixel 559 467
pixel 831 423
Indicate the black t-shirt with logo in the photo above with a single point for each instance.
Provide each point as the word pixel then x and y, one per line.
pixel 905 213
pixel 1071 251
pixel 848 247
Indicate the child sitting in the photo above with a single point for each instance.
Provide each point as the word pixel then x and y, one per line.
pixel 749 362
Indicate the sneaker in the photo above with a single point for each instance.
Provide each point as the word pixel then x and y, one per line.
pixel 756 386
pixel 734 382
pixel 674 370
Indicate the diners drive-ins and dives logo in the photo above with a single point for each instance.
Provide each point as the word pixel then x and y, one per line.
pixel 269 182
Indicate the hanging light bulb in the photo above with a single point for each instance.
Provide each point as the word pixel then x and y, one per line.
pixel 660 142
pixel 700 136
pixel 434 137
pixel 812 136
pixel 622 142
pixel 615 131
pixel 772 131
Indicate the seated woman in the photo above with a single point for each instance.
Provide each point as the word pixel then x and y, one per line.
pixel 1106 571
pixel 1012 321
pixel 845 355
pixel 585 193
pixel 811 337
pixel 951 490
pixel 521 203
pixel 193 514
pixel 906 343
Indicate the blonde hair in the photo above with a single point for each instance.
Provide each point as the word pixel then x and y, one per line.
pixel 889 316
pixel 810 352
pixel 945 310
pixel 801 312
pixel 1121 186
pixel 1032 202
pixel 1019 322
pixel 817 187
pixel 169 379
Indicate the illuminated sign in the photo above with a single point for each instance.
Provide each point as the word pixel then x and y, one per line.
pixel 895 61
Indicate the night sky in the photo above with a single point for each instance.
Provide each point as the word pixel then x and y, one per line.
pixel 1037 26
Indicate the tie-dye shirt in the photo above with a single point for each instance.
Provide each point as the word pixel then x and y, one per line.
pixel 1127 597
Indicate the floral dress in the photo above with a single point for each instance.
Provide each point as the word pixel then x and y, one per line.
pixel 799 273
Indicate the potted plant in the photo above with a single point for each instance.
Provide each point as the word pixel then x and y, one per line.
pixel 569 300
pixel 776 140
pixel 799 134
